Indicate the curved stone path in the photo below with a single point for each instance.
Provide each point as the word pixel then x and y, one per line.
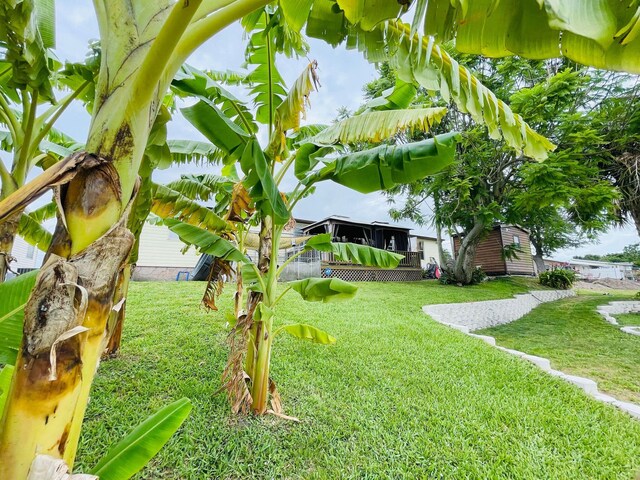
pixel 616 308
pixel 470 316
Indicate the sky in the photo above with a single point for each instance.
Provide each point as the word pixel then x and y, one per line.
pixel 342 76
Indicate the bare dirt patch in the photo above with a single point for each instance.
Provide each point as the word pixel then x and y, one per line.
pixel 604 284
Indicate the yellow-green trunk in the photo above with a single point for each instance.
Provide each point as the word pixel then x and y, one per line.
pixel 116 322
pixel 44 414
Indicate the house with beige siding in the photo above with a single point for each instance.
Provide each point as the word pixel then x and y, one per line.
pixel 161 256
pixel 490 252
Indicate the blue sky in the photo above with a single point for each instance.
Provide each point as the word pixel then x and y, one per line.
pixel 342 75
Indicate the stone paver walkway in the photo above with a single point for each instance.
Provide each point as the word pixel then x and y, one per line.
pixel 470 316
pixel 478 315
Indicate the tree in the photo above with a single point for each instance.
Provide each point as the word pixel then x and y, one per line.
pixel 251 196
pixel 142 48
pixel 144 44
pixel 492 184
pixel 551 229
pixel 28 76
pixel 630 253
pixel 619 118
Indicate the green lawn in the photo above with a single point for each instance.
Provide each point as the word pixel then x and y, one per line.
pixel 628 319
pixel 578 340
pixel 399 396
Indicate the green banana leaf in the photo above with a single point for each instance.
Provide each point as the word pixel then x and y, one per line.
pixel 190 81
pixel 168 203
pixel 14 294
pixel 33 233
pixel 308 332
pixel 378 126
pixel 397 97
pixel 324 289
pixel 218 128
pixel 260 183
pixel 250 278
pixel 6 373
pixel 134 451
pixel 27 31
pixel 202 187
pixel 193 151
pixel 205 241
pixel 386 166
pixel 354 253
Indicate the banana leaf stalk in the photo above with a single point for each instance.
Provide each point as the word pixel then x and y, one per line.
pixel 67 315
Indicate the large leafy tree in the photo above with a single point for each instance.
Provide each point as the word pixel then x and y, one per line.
pixel 492 184
pixel 144 43
pixel 619 119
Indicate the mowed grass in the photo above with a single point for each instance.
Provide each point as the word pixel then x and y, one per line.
pixel 399 396
pixel 578 340
pixel 628 319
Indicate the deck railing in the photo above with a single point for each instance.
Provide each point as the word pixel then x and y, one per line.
pixel 410 260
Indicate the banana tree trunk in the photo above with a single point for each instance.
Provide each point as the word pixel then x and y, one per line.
pixel 260 334
pixel 8 230
pixel 64 336
pixel 66 318
pixel 116 321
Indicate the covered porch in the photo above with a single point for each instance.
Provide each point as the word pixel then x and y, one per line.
pixel 376 234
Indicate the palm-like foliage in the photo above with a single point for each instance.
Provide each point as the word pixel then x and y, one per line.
pixel 144 45
pixel 255 198
pixel 28 75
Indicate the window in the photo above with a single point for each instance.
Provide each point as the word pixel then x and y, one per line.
pixel 173 236
pixel 31 251
pixel 516 240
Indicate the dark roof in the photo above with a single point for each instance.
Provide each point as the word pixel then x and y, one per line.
pixel 341 219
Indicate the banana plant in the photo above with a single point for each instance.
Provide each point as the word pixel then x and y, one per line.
pixel 28 75
pixel 317 154
pixel 143 44
pixel 123 459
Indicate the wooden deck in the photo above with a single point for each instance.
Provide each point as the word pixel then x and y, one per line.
pixel 408 270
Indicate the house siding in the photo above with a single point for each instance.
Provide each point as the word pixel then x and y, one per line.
pixel 429 249
pixel 159 247
pixel 489 252
pixel 20 253
pixel 523 265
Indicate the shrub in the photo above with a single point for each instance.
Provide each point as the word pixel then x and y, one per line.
pixel 478 276
pixel 560 278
